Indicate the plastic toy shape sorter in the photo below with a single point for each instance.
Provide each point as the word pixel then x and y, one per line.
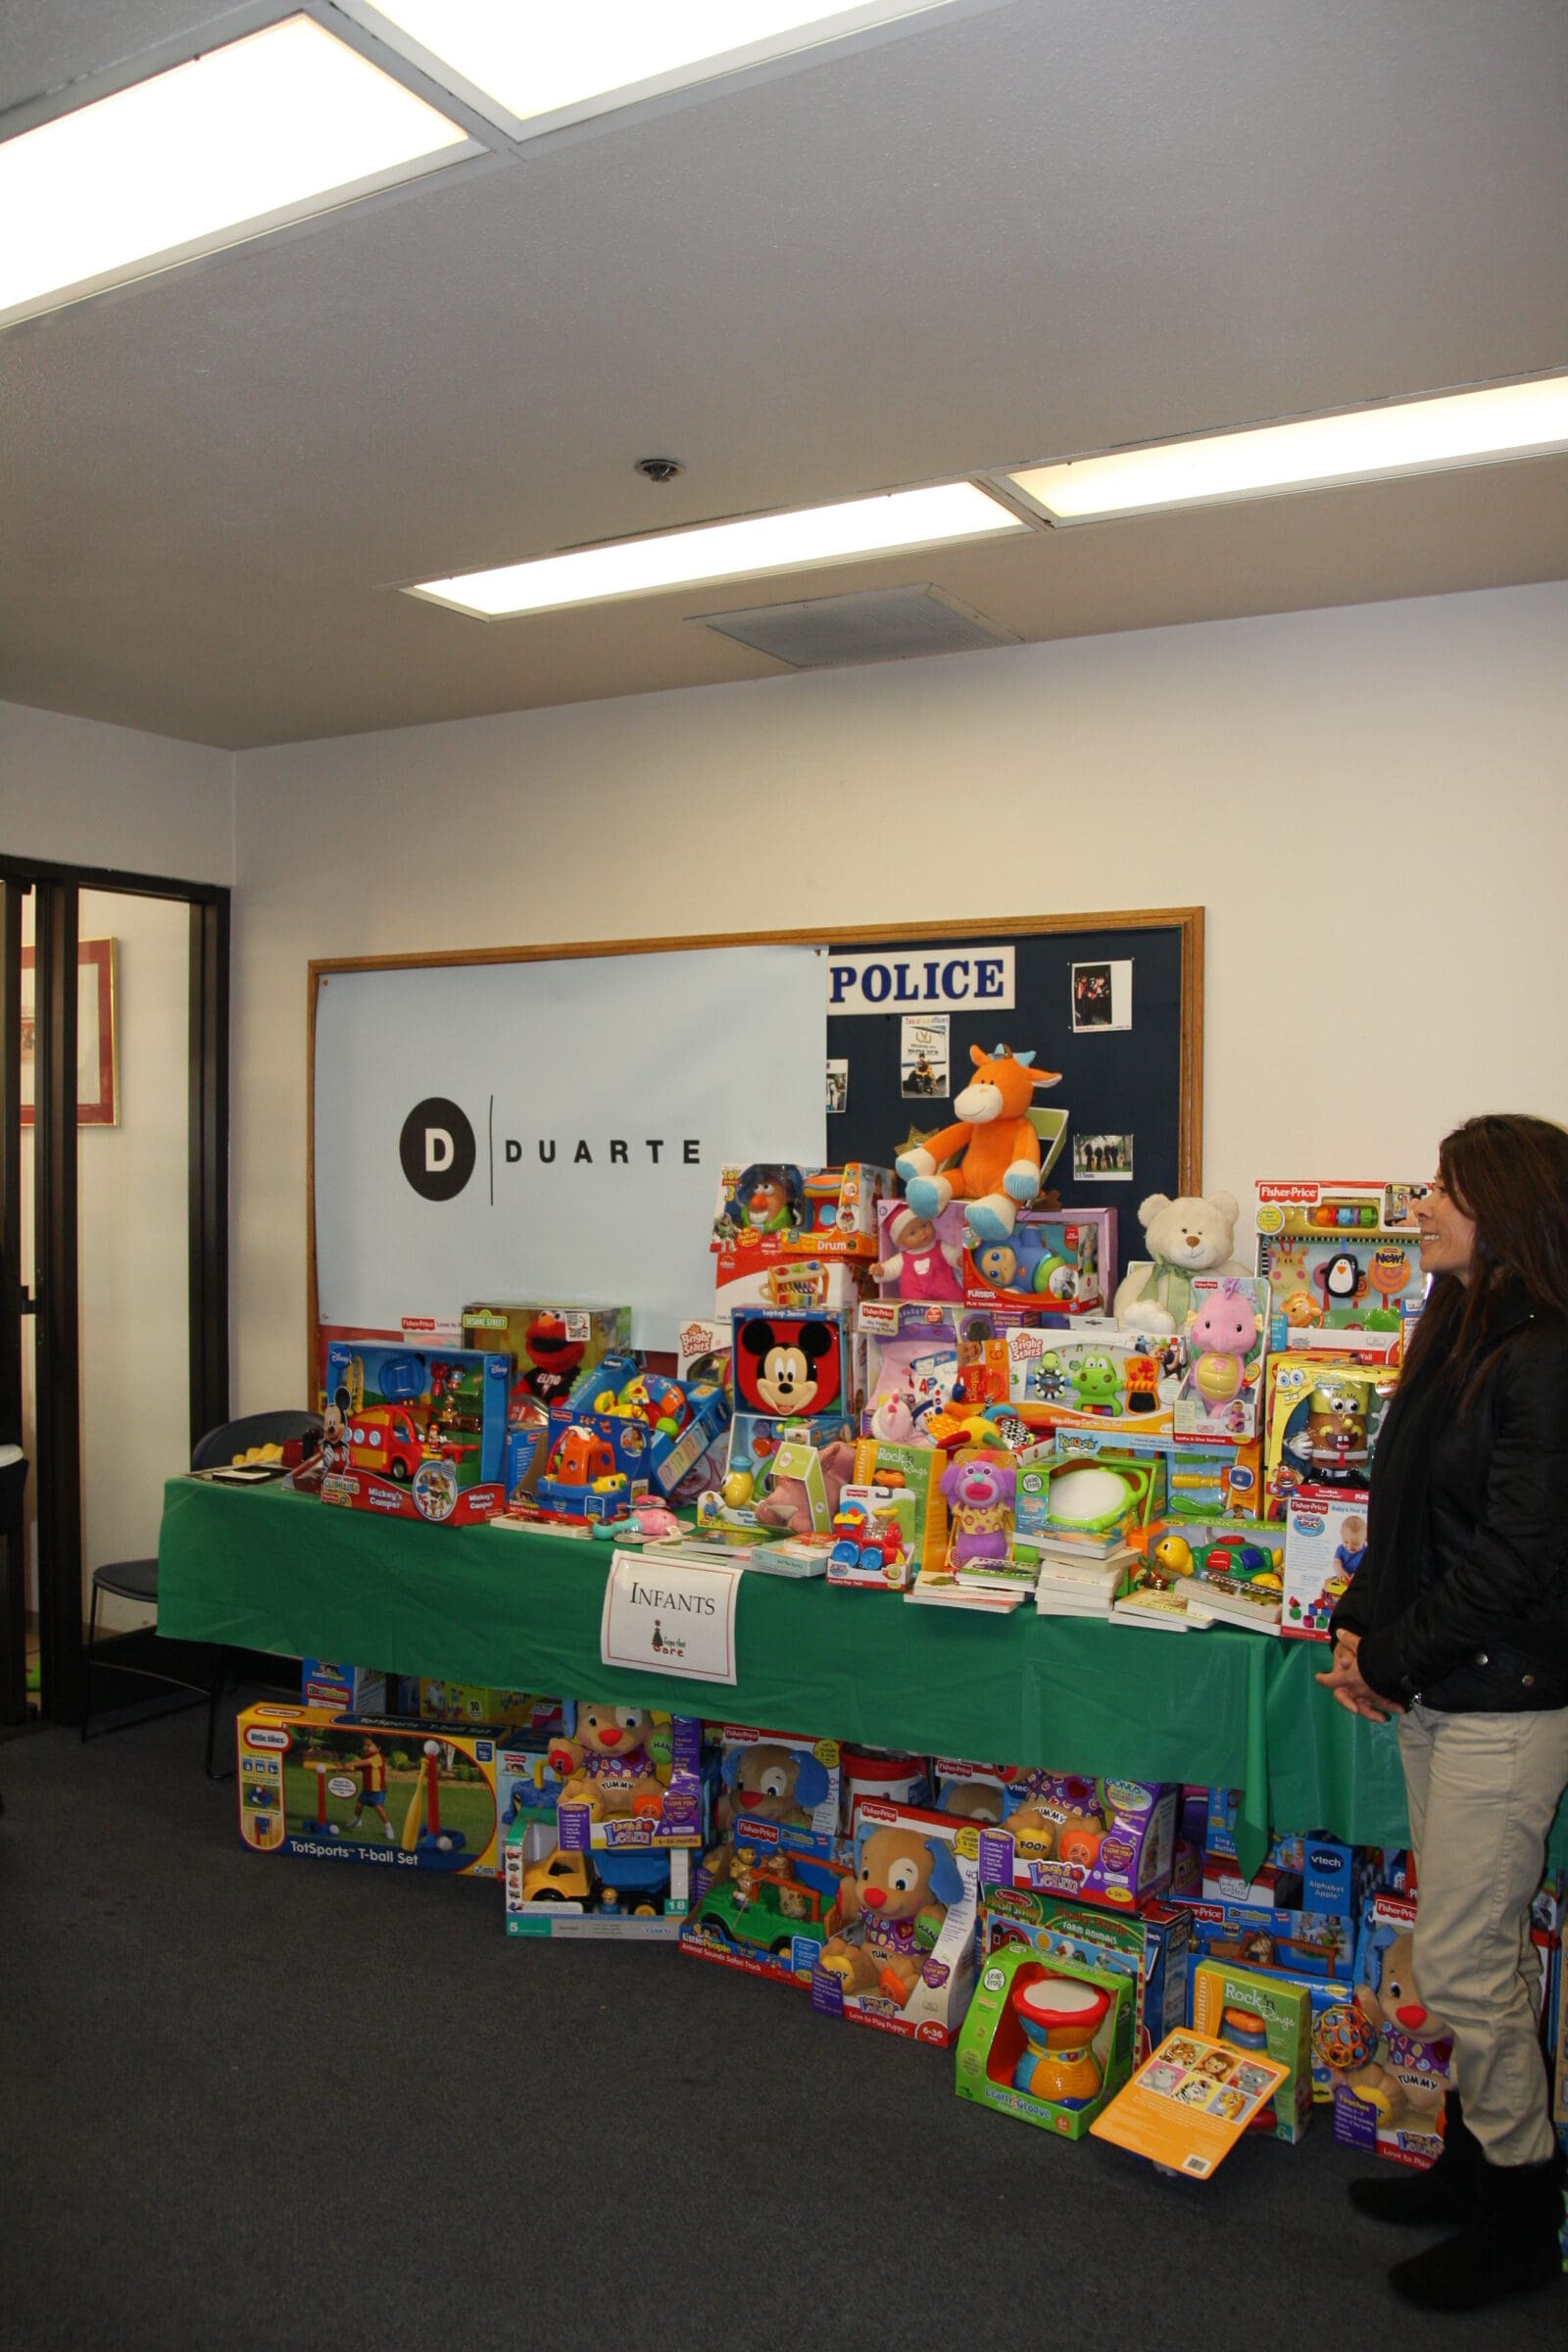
pixel 1150 1946
pixel 1055 1262
pixel 1341 1263
pixel 378 1789
pixel 416 1434
pixel 1098 1842
pixel 1325 1543
pixel 1094 1377
pixel 1322 1422
pixel 900 1954
pixel 1047 2040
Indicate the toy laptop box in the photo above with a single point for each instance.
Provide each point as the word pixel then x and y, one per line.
pixel 1098 1842
pixel 630 1776
pixel 1321 1424
pixel 1150 1946
pixel 900 1955
pixel 1057 1262
pixel 805 1212
pixel 1095 1377
pixel 1341 1261
pixel 369 1788
pixel 1325 1543
pixel 1265 2017
pixel 639 1894
pixel 549 1347
pixel 1390 2054
pixel 799 1367
pixel 422 1435
pixel 1049 2040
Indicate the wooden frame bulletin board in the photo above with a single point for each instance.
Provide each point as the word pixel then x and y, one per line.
pixel 1145 1079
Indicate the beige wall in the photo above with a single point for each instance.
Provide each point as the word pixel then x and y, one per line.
pixel 77 793
pixel 1372 805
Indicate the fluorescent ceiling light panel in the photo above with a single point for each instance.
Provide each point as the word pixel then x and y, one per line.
pixel 1413 436
pixel 265 130
pixel 547 65
pixel 750 549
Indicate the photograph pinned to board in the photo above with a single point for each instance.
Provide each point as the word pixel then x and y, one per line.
pixel 1102 996
pixel 838 1086
pixel 923 1055
pixel 1102 1159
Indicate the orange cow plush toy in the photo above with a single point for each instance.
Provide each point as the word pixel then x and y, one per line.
pixel 998 1171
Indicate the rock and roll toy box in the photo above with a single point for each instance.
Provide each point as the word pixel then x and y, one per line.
pixel 1341 1263
pixel 414 1434
pixel 764 1276
pixel 785 1211
pixel 1049 2040
pixel 1189 2103
pixel 900 1951
pixel 1096 1842
pixel 1266 2016
pixel 369 1788
pixel 1150 1946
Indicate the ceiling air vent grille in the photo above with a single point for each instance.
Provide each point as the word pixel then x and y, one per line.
pixel 872 625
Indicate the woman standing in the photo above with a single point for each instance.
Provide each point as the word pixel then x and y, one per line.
pixel 1457 1624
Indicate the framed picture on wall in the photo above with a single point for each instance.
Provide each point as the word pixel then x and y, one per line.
pixel 97 1048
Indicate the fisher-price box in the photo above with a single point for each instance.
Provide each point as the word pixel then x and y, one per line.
pixel 912 1363
pixel 764 1892
pixel 1225 1337
pixel 378 1789
pixel 639 1894
pixel 899 1952
pixel 970 1791
pixel 1049 2040
pixel 1150 1945
pixel 1391 2056
pixel 1343 1264
pixel 1097 1841
pixel 416 1434
pixel 630 1777
pixel 1266 2016
pixel 1325 1543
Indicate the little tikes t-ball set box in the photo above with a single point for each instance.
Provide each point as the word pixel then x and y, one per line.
pixel 1265 2017
pixel 1150 1946
pixel 369 1788
pixel 900 1951
pixel 1049 2040
pixel 414 1435
pixel 1096 1842
pixel 1343 1263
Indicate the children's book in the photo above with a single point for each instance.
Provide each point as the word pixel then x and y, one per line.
pixel 1189 2103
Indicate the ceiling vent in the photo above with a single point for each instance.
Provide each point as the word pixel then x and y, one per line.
pixel 872 625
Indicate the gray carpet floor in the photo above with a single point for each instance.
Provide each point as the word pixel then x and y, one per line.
pixel 249 2102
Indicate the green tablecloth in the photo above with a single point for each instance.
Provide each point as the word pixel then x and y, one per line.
pixel 266 1569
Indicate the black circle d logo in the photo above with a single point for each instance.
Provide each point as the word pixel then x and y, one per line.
pixel 437 1148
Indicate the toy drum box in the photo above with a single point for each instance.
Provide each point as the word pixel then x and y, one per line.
pixel 1048 2039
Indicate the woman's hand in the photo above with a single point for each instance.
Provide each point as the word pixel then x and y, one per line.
pixel 1344 1679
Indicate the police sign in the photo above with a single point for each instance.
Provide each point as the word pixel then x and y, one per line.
pixel 977 980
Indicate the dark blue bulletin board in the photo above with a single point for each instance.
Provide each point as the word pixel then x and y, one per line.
pixel 1144 1080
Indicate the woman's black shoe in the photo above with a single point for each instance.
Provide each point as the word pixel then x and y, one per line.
pixel 1444 2192
pixel 1511 2245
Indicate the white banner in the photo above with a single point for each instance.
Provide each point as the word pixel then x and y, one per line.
pixel 669 1617
pixel 954 979
pixel 553 1131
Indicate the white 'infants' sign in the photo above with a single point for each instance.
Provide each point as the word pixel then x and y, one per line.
pixel 671 1617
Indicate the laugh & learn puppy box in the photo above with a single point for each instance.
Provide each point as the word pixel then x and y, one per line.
pixel 378 1789
pixel 1099 1842
pixel 414 1434
pixel 900 1951
pixel 1048 2039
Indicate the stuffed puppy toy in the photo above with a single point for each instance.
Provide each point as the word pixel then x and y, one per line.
pixel 1192 1235
pixel 904 1885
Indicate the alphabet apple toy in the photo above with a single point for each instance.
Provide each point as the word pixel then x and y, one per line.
pixel 997 1149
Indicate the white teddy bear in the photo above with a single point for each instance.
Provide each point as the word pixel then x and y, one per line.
pixel 1186 1236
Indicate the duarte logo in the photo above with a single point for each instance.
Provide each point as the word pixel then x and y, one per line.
pixel 437 1148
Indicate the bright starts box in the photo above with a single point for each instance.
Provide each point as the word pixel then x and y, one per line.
pixel 1325 1543
pixel 1150 1945
pixel 379 1789
pixel 1100 1842
pixel 1265 2017
pixel 1047 2040
pixel 1097 1378
pixel 900 1955
pixel 414 1435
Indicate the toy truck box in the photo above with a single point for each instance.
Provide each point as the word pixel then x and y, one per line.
pixel 1343 1264
pixel 765 1901
pixel 1325 1543
pixel 1393 2054
pixel 1150 1944
pixel 900 1955
pixel 1265 2017
pixel 1314 1945
pixel 1096 1841
pixel 1056 1264
pixel 805 1212
pixel 639 1894
pixel 1049 2040
pixel 1097 1377
pixel 414 1435
pixel 382 1789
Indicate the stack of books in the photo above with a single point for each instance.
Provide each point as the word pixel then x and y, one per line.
pixel 1151 1605
pixel 945 1592
pixel 1071 1586
pixel 1229 1601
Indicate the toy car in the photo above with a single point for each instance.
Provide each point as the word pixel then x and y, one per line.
pixel 561 1877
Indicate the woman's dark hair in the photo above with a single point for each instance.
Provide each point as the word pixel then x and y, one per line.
pixel 1509 1172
